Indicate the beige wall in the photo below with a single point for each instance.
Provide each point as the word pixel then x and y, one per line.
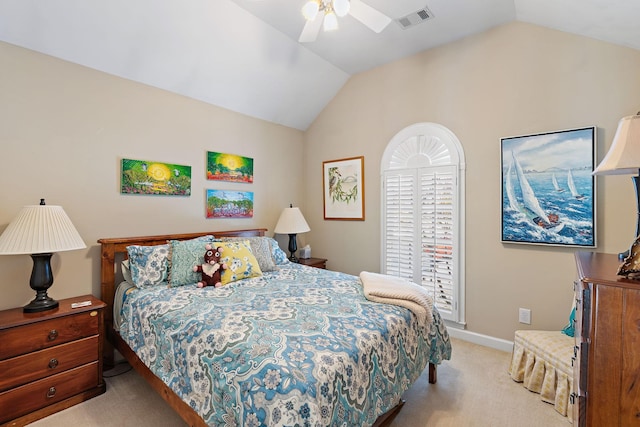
pixel 512 80
pixel 64 129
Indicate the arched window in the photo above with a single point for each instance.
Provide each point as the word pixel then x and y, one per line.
pixel 423 213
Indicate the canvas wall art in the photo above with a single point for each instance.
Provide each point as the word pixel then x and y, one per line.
pixel 229 204
pixel 146 177
pixel 229 167
pixel 343 189
pixel 548 192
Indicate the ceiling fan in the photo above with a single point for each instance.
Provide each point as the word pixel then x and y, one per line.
pixel 324 13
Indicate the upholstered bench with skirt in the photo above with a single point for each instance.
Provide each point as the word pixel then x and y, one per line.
pixel 541 360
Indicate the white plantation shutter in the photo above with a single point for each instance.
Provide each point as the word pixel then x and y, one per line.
pixel 422 214
pixel 438 240
pixel 399 224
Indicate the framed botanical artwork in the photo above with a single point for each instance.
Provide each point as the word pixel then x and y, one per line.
pixel 229 204
pixel 229 167
pixel 548 192
pixel 146 177
pixel 343 189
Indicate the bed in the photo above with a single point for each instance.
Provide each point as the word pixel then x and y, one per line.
pixel 293 345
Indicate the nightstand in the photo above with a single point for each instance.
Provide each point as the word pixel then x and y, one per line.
pixel 50 360
pixel 313 262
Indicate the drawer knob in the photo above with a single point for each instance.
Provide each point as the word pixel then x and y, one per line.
pixel 51 392
pixel 53 363
pixel 53 334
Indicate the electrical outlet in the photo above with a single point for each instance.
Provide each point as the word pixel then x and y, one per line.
pixel 524 316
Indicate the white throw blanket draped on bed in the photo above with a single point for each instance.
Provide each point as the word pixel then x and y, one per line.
pixel 398 291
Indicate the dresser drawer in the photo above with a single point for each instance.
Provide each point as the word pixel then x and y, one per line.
pixel 48 333
pixel 29 367
pixel 22 400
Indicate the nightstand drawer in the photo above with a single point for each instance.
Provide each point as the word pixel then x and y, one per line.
pixel 29 367
pixel 39 335
pixel 27 398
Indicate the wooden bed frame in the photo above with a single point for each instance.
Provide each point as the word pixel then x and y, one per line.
pixel 113 251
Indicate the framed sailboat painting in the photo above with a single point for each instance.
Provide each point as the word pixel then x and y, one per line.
pixel 548 192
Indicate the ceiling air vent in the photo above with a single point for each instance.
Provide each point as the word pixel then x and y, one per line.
pixel 414 18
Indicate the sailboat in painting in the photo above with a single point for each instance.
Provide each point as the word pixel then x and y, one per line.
pixel 572 187
pixel 554 181
pixel 529 205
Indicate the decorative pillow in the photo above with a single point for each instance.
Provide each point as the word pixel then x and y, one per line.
pixel 241 264
pixel 148 265
pixel 183 256
pixel 570 328
pixel 261 249
pixel 278 254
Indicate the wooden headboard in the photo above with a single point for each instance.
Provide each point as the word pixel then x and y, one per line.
pixel 113 247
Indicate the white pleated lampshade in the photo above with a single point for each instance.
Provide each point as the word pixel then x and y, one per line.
pixel 291 221
pixel 623 158
pixel 40 229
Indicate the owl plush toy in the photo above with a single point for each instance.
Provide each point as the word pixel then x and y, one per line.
pixel 211 269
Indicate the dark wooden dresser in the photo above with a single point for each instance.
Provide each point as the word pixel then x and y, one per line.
pixel 49 360
pixel 607 352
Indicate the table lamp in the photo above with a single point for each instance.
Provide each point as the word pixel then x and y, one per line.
pixel 623 158
pixel 292 222
pixel 40 230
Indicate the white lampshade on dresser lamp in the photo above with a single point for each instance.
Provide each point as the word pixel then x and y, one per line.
pixel 292 222
pixel 40 230
pixel 623 158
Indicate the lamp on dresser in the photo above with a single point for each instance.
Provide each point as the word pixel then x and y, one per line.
pixel 40 230
pixel 623 158
pixel 292 222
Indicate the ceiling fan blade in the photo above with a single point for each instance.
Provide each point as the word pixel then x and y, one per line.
pixel 311 29
pixel 369 16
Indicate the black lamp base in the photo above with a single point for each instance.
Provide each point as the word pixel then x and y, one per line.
pixel 37 305
pixel 41 280
pixel 293 248
pixel 636 185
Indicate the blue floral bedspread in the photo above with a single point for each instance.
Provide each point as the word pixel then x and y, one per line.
pixel 296 347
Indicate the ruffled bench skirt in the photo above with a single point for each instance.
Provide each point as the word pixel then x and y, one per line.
pixel 541 361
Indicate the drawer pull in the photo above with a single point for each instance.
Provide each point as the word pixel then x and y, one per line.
pixel 51 392
pixel 573 359
pixel 53 334
pixel 53 363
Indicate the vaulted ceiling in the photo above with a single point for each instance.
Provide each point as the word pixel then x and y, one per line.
pixel 244 55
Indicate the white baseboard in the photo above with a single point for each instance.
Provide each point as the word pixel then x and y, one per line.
pixel 485 340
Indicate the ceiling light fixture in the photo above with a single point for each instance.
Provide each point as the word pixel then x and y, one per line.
pixel 310 10
pixel 325 13
pixel 330 8
pixel 330 21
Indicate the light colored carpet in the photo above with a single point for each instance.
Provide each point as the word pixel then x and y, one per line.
pixel 473 389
